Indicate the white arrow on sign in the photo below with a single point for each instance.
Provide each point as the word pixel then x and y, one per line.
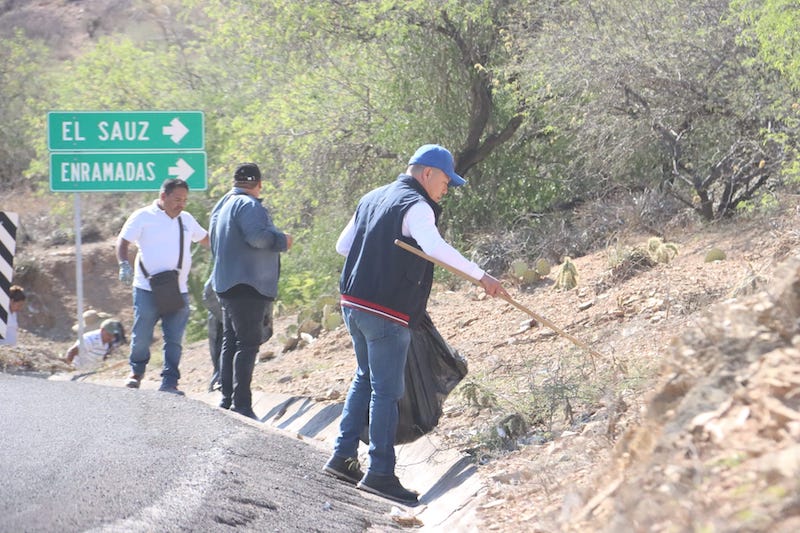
pixel 176 130
pixel 181 170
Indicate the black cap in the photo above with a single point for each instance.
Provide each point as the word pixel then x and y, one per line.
pixel 247 172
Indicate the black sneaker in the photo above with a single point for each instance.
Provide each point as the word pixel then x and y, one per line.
pixel 249 413
pixel 172 389
pixel 133 382
pixel 345 468
pixel 389 487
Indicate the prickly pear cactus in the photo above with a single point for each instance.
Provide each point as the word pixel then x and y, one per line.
pixel 542 267
pixel 518 268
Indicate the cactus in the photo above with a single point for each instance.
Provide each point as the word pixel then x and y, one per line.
pixel 530 276
pixel 542 267
pixel 653 244
pixel 518 268
pixel 715 254
pixel 331 319
pixel 567 275
pixel 660 251
pixel 523 273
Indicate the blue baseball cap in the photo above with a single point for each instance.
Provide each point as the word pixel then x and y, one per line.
pixel 433 155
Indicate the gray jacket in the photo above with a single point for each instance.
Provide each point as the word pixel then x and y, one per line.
pixel 246 244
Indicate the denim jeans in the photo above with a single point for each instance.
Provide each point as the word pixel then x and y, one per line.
pixel 173 325
pixel 243 319
pixel 381 348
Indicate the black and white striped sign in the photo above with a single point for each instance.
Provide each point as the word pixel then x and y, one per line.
pixel 8 238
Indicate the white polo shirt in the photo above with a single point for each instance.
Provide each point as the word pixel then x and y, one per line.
pixel 157 238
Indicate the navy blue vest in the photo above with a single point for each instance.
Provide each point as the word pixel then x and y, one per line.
pixel 378 276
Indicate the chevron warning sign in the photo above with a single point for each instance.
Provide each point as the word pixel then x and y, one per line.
pixel 9 222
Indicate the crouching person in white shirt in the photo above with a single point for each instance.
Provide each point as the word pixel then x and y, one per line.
pixel 97 345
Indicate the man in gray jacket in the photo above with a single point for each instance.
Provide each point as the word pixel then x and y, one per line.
pixel 246 247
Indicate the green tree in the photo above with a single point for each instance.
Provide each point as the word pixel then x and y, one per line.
pixel 24 90
pixel 658 95
pixel 772 28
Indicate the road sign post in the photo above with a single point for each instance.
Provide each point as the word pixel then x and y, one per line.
pixel 100 151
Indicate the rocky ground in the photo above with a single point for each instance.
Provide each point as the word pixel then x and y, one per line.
pixel 679 411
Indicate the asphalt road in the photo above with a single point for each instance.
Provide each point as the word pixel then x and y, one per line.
pixel 83 457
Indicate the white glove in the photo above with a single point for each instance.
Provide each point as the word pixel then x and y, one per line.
pixel 125 272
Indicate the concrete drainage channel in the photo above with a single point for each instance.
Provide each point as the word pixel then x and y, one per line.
pixel 446 479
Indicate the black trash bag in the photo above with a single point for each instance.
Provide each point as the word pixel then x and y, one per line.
pixel 433 369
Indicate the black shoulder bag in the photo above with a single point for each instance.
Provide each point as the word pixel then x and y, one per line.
pixel 164 285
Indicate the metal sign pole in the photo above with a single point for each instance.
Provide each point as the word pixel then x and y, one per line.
pixel 79 272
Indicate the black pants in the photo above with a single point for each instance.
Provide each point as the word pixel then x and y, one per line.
pixel 243 320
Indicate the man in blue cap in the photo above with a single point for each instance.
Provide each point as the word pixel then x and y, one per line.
pixel 384 292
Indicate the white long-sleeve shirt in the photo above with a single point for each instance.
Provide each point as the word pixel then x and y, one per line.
pixel 419 223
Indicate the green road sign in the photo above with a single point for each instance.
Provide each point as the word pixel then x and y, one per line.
pixel 125 130
pixel 124 171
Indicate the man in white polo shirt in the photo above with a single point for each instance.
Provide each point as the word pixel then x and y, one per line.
pixel 158 231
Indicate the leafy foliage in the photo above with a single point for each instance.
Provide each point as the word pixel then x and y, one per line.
pixel 23 89
pixel 771 28
pixel 672 101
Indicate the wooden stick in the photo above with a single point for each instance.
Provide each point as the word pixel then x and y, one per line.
pixel 543 320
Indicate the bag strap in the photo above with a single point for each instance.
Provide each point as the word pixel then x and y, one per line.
pixel 180 251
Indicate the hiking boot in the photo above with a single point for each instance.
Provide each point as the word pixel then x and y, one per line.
pixel 345 468
pixel 172 389
pixel 389 487
pixel 134 380
pixel 225 403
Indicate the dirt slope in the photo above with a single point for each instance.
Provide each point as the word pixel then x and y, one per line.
pixel 694 404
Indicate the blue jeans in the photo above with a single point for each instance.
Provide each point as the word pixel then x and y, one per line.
pixel 243 322
pixel 381 348
pixel 173 325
